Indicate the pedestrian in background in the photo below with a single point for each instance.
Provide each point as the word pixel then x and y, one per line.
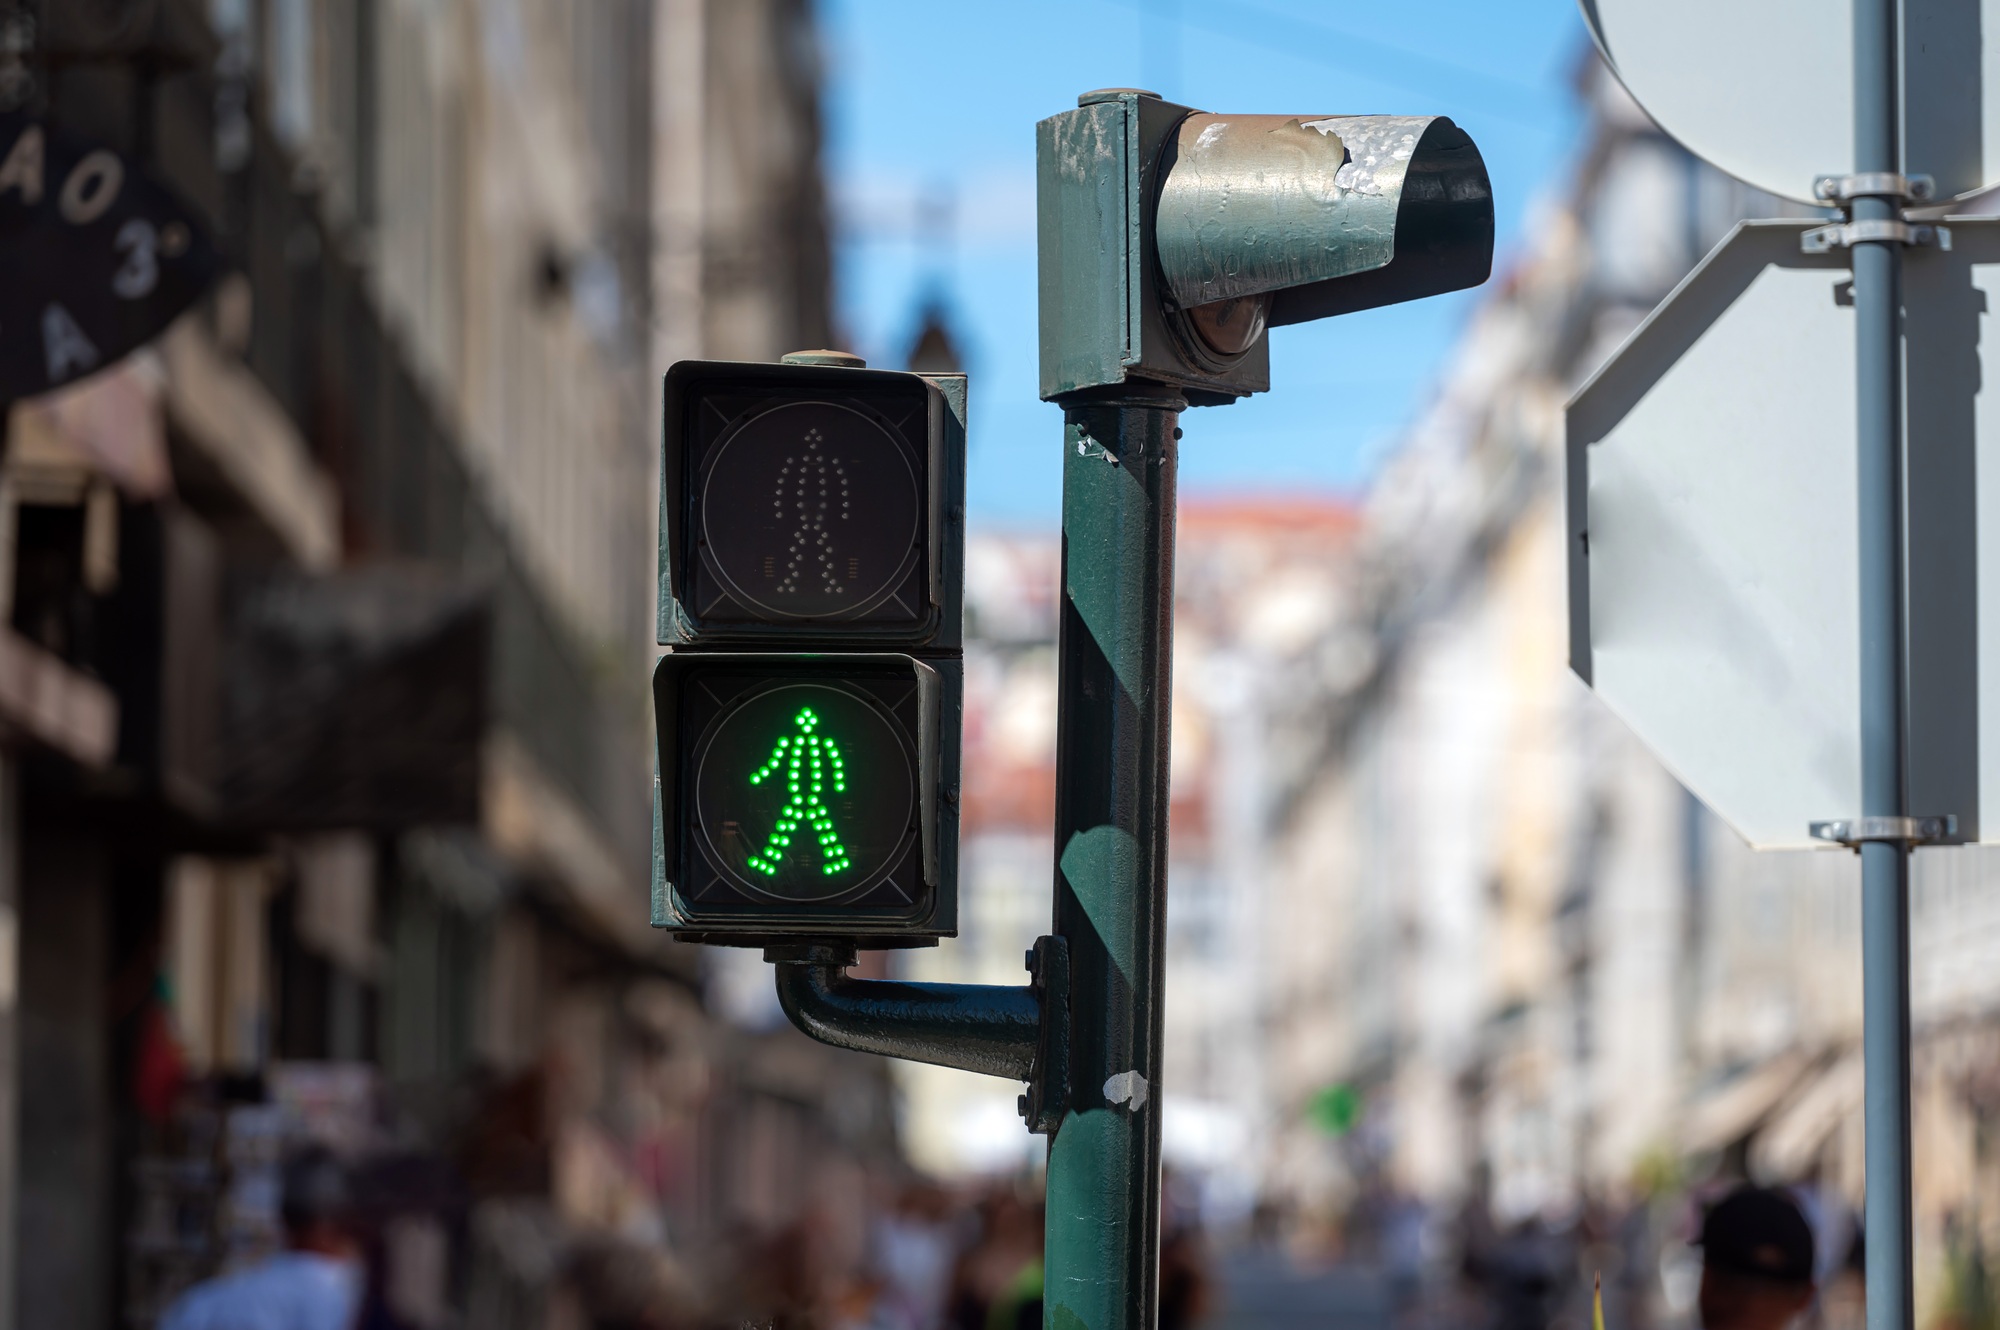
pixel 997 1284
pixel 314 1284
pixel 1756 1261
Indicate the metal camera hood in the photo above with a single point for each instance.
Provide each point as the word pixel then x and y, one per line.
pixel 1324 215
pixel 1171 238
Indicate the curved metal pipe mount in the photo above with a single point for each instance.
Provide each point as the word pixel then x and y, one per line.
pixel 992 1029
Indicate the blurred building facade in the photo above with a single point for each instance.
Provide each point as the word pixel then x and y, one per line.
pixel 1546 977
pixel 324 801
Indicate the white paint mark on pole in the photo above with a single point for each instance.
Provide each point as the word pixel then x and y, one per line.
pixel 1127 1087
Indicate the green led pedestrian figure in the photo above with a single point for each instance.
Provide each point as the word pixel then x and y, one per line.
pixel 811 763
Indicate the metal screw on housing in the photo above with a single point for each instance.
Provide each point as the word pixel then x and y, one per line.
pixel 830 359
pixel 1854 831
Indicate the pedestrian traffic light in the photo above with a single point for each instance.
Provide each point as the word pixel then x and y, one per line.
pixel 811 555
pixel 1211 229
pixel 803 503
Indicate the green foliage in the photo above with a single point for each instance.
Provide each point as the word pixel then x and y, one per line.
pixel 1658 1172
pixel 1335 1109
pixel 1969 1300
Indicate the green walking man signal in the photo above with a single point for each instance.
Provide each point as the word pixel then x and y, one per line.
pixel 812 763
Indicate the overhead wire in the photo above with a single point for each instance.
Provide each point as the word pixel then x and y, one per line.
pixel 1326 44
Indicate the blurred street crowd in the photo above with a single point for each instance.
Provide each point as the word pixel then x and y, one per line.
pixel 901 1255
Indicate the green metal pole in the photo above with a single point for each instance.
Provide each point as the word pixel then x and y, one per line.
pixel 1116 650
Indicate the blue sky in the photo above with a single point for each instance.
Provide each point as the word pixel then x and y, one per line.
pixel 929 102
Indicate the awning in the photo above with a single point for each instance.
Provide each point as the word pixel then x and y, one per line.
pixel 44 699
pixel 1729 1112
pixel 1786 1146
pixel 355 699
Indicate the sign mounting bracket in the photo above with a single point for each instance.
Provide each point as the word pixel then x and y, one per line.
pixel 1853 831
pixel 1845 235
pixel 1838 190
pixel 1841 190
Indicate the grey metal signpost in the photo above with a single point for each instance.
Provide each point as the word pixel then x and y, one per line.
pixel 1885 846
pixel 1767 111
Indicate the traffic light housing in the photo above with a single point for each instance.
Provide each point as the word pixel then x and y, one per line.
pixel 808 712
pixel 1210 229
pixel 747 552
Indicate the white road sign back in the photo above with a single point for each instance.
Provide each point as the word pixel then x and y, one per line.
pixel 1764 88
pixel 1712 523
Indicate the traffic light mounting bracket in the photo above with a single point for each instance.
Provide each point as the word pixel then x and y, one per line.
pixel 1017 1032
